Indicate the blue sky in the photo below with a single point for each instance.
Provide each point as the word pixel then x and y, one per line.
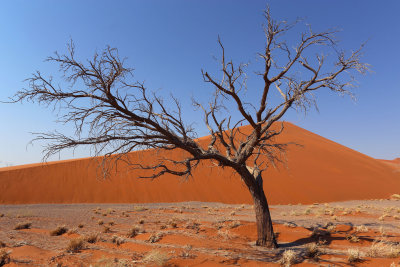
pixel 169 42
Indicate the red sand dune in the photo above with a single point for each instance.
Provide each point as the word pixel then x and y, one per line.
pixel 320 171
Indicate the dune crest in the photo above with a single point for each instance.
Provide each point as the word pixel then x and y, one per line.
pixel 320 171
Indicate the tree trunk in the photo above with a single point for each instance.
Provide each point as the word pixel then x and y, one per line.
pixel 265 231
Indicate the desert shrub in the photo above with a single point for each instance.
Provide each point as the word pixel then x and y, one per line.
pixel 100 222
pixel 395 196
pixel 59 231
pixel 361 229
pixel 290 224
pixel 354 255
pixel 173 223
pixel 226 234
pixel 134 231
pixel 81 225
pixel 353 238
pixel 2 244
pixel 312 251
pixel 111 223
pixel 4 257
pixel 117 240
pixel 384 250
pixel 21 226
pixel 155 237
pixel 318 232
pixel 288 258
pixel 139 208
pixel 106 229
pixel 234 224
pixel 1 215
pixel 156 257
pixel 75 245
pixel 91 238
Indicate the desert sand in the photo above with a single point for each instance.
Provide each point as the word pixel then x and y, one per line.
pixel 318 171
pixel 200 234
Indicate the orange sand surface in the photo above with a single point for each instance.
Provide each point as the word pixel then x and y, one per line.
pixel 319 171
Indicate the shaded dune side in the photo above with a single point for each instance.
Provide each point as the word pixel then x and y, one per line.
pixel 320 171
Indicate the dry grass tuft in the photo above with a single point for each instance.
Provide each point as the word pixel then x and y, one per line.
pixel 4 257
pixel 313 251
pixel 81 225
pixel 117 240
pixel 288 258
pixel 395 196
pixel 134 231
pixel 384 250
pixel 353 238
pixel 21 226
pixel 75 245
pixel 156 257
pixel 106 229
pixel 234 224
pixel 354 255
pixel 155 237
pixel 290 224
pixel 91 238
pixel 59 231
pixel 361 229
pixel 2 244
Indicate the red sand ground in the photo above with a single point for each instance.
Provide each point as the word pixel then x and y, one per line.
pixel 320 171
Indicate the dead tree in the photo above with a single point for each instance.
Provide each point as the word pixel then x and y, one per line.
pixel 116 114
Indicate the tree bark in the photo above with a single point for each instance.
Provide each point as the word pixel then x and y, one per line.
pixel 265 230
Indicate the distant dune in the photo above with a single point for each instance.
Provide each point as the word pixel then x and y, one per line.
pixel 320 171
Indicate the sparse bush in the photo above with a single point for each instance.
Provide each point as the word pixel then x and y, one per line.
pixel 290 224
pixel 395 196
pixel 226 234
pixel 91 238
pixel 353 238
pixel 72 231
pixel 312 251
pixel 59 231
pixel 134 231
pixel 117 240
pixel 288 258
pixel 234 224
pixel 75 245
pixel 361 229
pixel 21 226
pixel 2 244
pixel 100 222
pixel 111 223
pixel 384 250
pixel 106 229
pixel 155 237
pixel 4 257
pixel 81 225
pixel 1 215
pixel 156 257
pixel 354 255
pixel 141 221
pixel 139 208
pixel 318 232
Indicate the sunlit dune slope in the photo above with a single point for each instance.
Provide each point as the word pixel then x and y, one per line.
pixel 319 171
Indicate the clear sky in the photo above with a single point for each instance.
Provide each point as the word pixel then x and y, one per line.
pixel 169 42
